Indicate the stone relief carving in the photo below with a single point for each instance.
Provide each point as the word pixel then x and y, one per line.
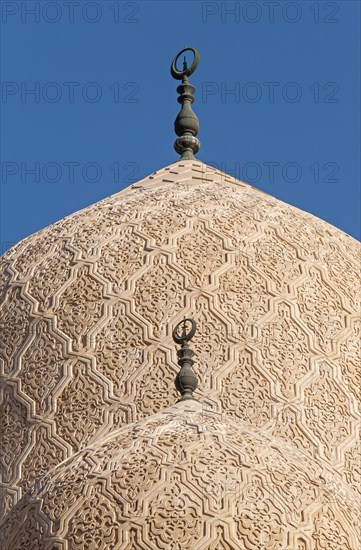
pixel 89 306
pixel 224 493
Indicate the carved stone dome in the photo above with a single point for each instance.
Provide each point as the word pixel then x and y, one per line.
pixel 89 304
pixel 185 479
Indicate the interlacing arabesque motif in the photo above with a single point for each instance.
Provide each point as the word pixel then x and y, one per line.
pixel 185 480
pixel 91 301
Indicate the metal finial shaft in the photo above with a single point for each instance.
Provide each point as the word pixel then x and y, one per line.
pixel 186 381
pixel 186 125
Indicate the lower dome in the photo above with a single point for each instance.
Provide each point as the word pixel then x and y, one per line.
pixel 186 479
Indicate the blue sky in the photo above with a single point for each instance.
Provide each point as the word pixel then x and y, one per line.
pixel 88 102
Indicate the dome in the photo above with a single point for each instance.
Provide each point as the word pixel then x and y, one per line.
pixel 89 303
pixel 182 479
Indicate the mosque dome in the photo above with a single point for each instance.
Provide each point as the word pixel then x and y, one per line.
pixel 182 479
pixel 89 304
pixel 93 452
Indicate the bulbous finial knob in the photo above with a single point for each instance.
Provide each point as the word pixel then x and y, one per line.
pixel 186 125
pixel 186 381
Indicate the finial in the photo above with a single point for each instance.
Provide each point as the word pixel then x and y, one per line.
pixel 186 381
pixel 186 125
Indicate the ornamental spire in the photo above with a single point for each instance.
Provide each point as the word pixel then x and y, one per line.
pixel 186 381
pixel 186 125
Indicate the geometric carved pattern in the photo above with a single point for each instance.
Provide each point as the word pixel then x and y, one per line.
pixel 126 246
pixel 119 349
pixel 14 432
pixel 284 349
pixel 328 413
pixel 41 366
pixel 81 307
pixel 350 360
pixel 200 252
pixel 321 309
pixel 156 294
pixel 14 324
pixel 246 393
pixel 51 273
pixel 80 405
pixel 156 385
pixel 230 487
pixel 352 469
pixel 87 311
pixel 45 454
pixel 275 257
pixel 243 297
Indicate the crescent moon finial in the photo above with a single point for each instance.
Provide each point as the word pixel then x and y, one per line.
pixel 186 381
pixel 186 125
pixel 187 71
pixel 184 336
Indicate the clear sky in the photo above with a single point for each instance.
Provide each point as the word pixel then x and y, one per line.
pixel 88 102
